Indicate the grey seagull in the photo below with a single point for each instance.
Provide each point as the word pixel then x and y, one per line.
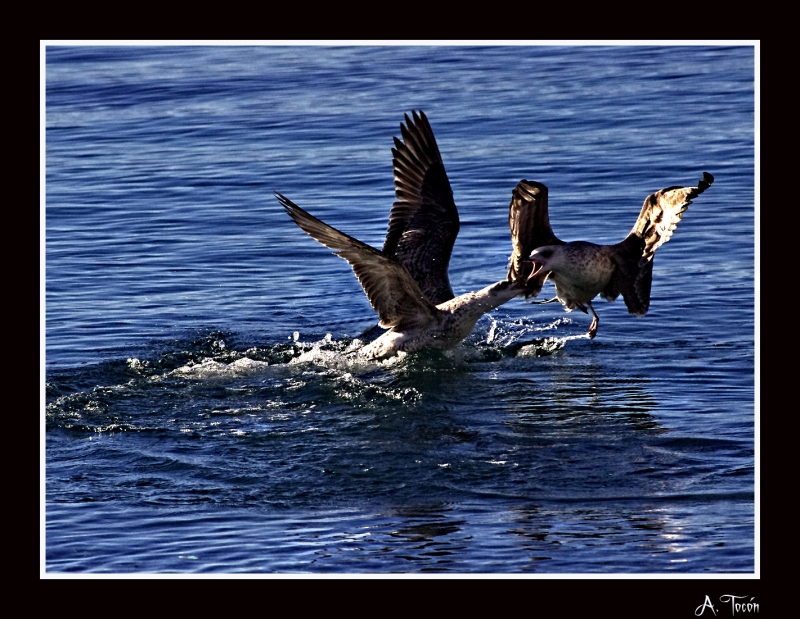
pixel 581 270
pixel 406 282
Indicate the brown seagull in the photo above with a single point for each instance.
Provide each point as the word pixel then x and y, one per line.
pixel 406 282
pixel 581 270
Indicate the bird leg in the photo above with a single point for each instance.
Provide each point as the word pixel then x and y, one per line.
pixel 553 300
pixel 595 320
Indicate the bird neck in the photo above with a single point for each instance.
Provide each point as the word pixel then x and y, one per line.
pixel 476 304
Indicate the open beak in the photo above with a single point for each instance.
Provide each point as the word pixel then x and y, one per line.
pixel 537 268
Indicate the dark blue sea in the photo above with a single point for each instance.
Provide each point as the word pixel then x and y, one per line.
pixel 199 415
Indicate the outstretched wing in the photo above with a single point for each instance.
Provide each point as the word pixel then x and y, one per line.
pixel 530 228
pixel 390 289
pixel 423 224
pixel 660 215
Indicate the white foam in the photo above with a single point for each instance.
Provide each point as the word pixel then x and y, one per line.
pixel 210 368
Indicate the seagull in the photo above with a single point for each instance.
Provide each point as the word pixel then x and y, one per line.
pixel 581 270
pixel 406 282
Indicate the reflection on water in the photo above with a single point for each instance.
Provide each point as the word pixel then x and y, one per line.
pixel 666 541
pixel 292 424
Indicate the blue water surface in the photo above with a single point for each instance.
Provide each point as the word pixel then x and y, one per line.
pixel 199 413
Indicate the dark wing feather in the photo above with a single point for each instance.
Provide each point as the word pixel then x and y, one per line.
pixel 660 215
pixel 423 224
pixel 633 282
pixel 529 223
pixel 390 289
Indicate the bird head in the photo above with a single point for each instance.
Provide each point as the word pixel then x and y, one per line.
pixel 543 261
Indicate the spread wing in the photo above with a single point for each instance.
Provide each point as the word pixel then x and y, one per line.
pixel 391 291
pixel 423 224
pixel 660 215
pixel 530 228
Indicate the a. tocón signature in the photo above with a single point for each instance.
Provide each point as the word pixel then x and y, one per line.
pixel 738 604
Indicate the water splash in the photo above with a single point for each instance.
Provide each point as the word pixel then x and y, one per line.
pixel 211 368
pixel 197 373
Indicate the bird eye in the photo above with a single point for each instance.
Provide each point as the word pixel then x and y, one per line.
pixel 547 253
